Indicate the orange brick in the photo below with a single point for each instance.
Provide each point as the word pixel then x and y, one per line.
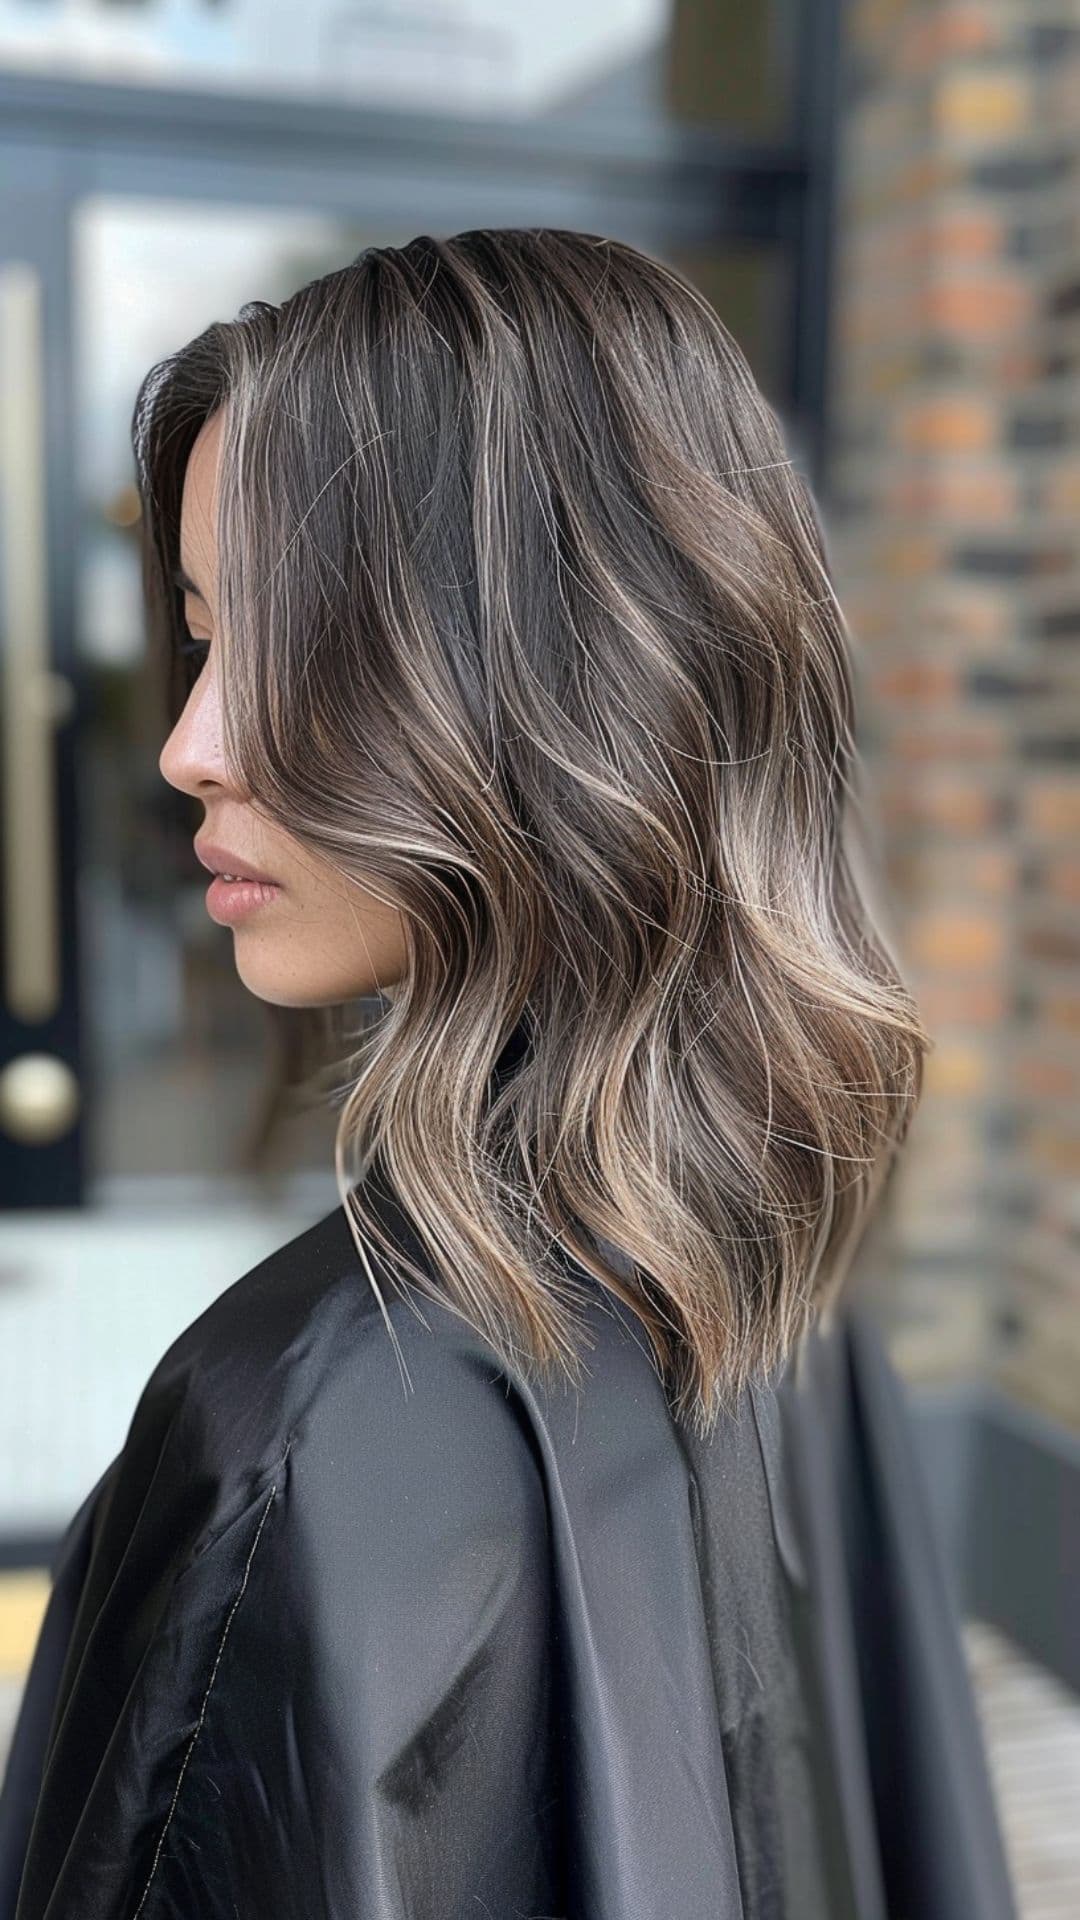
pixel 924 682
pixel 905 492
pixel 949 424
pixel 1053 1148
pixel 955 1072
pixel 974 105
pixel 967 235
pixel 949 804
pixel 950 30
pixel 891 372
pixel 961 1003
pixel 971 618
pixel 1061 1010
pixel 952 805
pixel 977 308
pixel 927 174
pixel 938 873
pixel 1052 807
pixel 977 740
pixel 992 871
pixel 868 618
pixel 910 555
pixel 1042 1079
pixel 1061 488
pixel 1063 877
pixel 964 493
pixel 965 29
pixel 957 942
pixel 1012 363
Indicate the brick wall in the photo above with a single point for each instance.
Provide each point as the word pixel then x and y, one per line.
pixel 954 515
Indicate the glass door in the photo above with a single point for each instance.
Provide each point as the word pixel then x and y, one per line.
pixel 139 1171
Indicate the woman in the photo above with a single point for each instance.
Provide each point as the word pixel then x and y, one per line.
pixel 520 700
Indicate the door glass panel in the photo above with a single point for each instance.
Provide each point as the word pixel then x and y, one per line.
pixel 628 63
pixel 177 1046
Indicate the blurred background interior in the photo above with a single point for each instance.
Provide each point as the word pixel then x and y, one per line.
pixel 882 200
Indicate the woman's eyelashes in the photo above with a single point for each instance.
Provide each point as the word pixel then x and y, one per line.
pixel 194 654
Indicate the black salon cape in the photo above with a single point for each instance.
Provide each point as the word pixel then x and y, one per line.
pixel 321 1648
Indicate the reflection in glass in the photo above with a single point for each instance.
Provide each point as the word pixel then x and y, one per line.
pixel 177 1046
pixel 629 62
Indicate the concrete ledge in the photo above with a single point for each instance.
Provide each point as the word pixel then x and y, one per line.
pixel 1004 1485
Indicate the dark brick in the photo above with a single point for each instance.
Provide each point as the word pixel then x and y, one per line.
pixel 1051 746
pixel 1038 430
pixel 1031 872
pixel 995 561
pixel 987 683
pixel 1049 40
pixel 1065 301
pixel 1059 559
pixel 1030 495
pixel 943 358
pixel 1017 1203
pixel 1023 243
pixel 1006 812
pixel 1055 944
pixel 1063 623
pixel 1021 173
pixel 1036 240
pixel 1000 1127
pixel 938 1261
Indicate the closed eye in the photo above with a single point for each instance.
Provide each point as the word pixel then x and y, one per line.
pixel 194 653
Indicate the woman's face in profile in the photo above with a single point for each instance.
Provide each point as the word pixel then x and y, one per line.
pixel 318 939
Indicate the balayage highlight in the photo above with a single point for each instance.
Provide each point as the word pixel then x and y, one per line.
pixel 525 623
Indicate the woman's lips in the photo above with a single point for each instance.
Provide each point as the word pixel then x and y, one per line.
pixel 219 860
pixel 231 900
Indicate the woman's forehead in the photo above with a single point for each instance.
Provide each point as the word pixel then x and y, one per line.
pixel 197 527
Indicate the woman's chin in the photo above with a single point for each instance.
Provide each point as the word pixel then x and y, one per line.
pixel 264 976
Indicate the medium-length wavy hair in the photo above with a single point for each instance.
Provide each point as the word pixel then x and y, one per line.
pixel 526 624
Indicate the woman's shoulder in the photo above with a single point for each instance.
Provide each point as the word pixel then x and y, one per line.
pixel 287 1397
pixel 316 1572
pixel 292 1377
pixel 297 1350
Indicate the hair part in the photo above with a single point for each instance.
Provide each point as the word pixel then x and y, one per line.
pixel 525 623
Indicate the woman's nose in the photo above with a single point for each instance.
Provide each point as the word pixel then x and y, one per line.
pixel 191 759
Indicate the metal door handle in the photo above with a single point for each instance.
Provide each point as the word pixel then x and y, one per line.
pixel 34 698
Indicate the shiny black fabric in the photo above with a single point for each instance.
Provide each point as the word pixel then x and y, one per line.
pixel 327 1645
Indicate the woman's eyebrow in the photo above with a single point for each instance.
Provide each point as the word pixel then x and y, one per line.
pixel 183 580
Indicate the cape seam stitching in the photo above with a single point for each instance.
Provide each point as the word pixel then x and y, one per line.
pixel 209 1686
